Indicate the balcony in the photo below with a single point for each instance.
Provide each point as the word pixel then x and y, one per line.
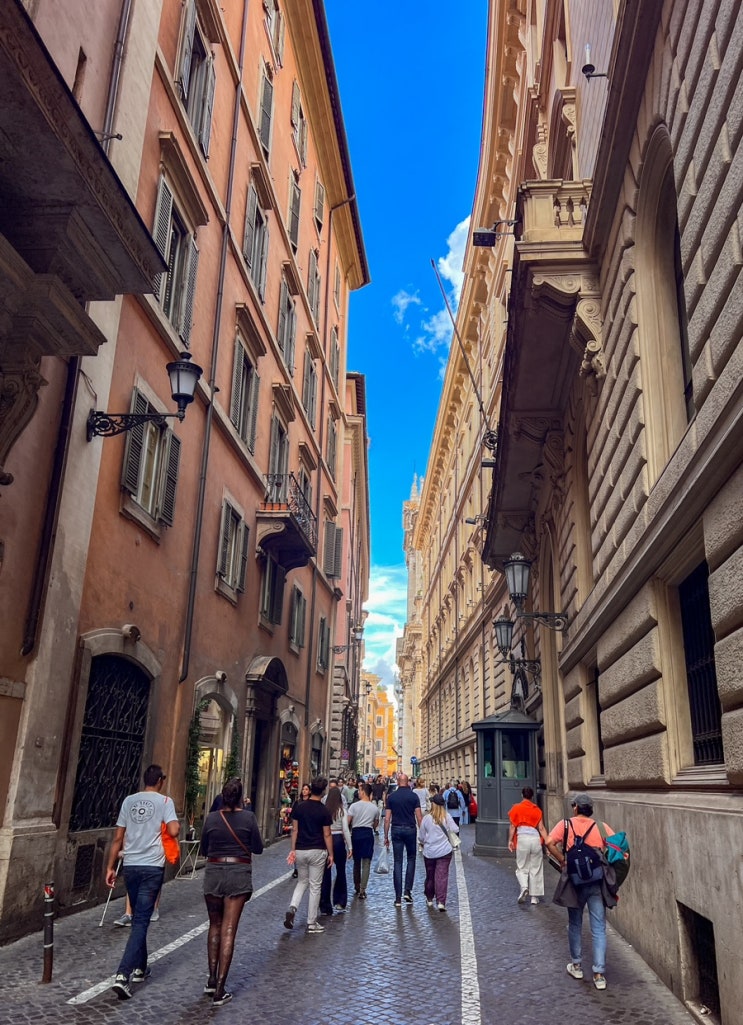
pixel 285 524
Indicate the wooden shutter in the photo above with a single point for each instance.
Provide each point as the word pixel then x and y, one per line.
pixel 161 230
pixel 205 128
pixel 237 398
pixel 273 455
pixel 319 203
pixel 295 198
pixel 291 330
pixel 224 540
pixel 302 620
pixel 280 36
pixel 312 411
pixel 189 28
pixel 266 112
pixel 281 331
pixel 251 207
pixel 133 447
pixel 243 570
pixel 253 408
pixel 295 104
pixel 171 459
pixel 312 280
pixel 277 596
pixel 187 318
pixel 261 282
pixel 338 553
pixel 328 558
pixel 303 141
pixel 306 382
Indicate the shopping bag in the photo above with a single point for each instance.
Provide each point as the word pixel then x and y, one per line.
pixel 383 862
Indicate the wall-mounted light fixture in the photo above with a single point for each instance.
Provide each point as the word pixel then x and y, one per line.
pixel 184 376
pixel 517 570
pixel 503 629
pixel 589 69
pixel 356 638
pixel 487 237
pixel 475 521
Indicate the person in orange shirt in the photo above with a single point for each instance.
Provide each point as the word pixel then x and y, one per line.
pixel 525 835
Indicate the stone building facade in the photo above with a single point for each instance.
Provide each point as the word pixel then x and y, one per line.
pixel 197 197
pixel 604 325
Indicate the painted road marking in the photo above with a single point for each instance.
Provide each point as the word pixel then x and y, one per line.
pixel 101 987
pixel 468 953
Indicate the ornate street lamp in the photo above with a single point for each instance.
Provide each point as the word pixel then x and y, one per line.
pixel 517 570
pixel 184 376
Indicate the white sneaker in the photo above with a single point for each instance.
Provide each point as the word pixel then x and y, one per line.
pixel 442 907
pixel 124 921
pixel 315 927
pixel 575 970
pixel 535 900
pixel 429 902
pixel 523 895
pixel 155 916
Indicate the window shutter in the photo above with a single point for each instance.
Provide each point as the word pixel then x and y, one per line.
pixel 296 195
pixel 237 398
pixel 161 229
pixel 243 571
pixel 312 280
pixel 253 406
pixel 338 553
pixel 189 28
pixel 328 559
pixel 133 447
pixel 266 112
pixel 319 202
pixel 295 104
pixel 193 265
pixel 291 329
pixel 277 598
pixel 205 129
pixel 302 619
pixel 313 396
pixel 306 382
pixel 280 34
pixel 250 211
pixel 170 478
pixel 224 539
pixel 281 331
pixel 273 455
pixel 303 142
pixel 261 283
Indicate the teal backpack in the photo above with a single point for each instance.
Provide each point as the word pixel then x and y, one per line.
pixel 617 853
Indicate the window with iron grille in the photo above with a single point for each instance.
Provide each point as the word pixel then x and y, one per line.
pixel 150 469
pixel 244 399
pixel 232 558
pixel 255 241
pixel 701 676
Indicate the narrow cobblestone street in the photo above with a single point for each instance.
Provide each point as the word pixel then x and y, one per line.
pixel 487 960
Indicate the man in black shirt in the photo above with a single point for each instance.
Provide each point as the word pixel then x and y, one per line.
pixel 401 819
pixel 312 850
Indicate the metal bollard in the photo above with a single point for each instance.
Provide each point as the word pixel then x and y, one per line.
pixel 48 932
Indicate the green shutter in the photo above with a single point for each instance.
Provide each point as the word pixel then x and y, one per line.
pixel 189 28
pixel 237 398
pixel 244 543
pixel 224 540
pixel 295 104
pixel 251 207
pixel 133 447
pixel 296 195
pixel 205 128
pixel 281 330
pixel 253 409
pixel 266 112
pixel 172 457
pixel 188 304
pixel 261 281
pixel 161 230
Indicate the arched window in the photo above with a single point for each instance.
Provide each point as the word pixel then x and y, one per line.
pixel 661 314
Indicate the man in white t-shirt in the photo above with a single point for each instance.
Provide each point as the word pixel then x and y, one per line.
pixel 138 837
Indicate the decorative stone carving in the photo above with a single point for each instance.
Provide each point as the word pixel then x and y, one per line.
pixel 539 151
pixel 19 385
pixel 588 331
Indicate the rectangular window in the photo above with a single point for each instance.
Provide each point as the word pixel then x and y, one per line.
pixel 331 447
pixel 299 125
pixel 319 208
pixel 701 676
pixel 287 326
pixel 275 29
pixel 176 287
pixel 244 400
pixel 305 486
pixel 332 563
pixel 266 113
pixel 313 286
pixel 232 559
pixel 255 241
pixel 323 645
pixel 298 617
pixel 295 197
pixel 335 357
pixel 337 287
pixel 196 76
pixel 379 720
pixel 309 388
pixel 272 591
pixel 378 745
pixel 278 462
pixel 150 469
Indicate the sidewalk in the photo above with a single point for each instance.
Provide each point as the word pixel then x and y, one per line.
pixel 374 965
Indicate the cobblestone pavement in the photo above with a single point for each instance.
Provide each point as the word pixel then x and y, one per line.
pixel 374 965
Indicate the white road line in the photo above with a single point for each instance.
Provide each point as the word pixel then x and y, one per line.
pixel 101 987
pixel 468 953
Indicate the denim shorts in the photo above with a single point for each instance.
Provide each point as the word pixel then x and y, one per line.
pixel 225 880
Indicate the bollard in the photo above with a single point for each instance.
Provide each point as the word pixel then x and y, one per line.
pixel 48 932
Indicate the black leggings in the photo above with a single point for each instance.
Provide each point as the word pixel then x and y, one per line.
pixel 224 918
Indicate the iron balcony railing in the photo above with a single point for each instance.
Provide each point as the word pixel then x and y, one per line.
pixel 283 489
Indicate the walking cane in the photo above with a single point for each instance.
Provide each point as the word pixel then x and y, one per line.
pixel 110 894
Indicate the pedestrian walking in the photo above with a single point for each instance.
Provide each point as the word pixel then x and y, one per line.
pixel 582 828
pixel 401 818
pixel 304 795
pixel 526 834
pixel 312 848
pixel 466 789
pixel 379 790
pixel 437 851
pixel 363 818
pixel 455 802
pixel 138 838
pixel 229 840
pixel 421 792
pixel 341 835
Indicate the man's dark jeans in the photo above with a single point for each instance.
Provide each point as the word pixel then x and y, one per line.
pixel 143 883
pixel 403 839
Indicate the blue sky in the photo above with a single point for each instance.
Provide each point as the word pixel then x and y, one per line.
pixel 411 79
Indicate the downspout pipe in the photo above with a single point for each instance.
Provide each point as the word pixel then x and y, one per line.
pixel 196 548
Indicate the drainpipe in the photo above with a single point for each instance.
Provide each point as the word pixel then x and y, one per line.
pixel 196 549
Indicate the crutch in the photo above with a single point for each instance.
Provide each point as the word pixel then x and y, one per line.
pixel 110 894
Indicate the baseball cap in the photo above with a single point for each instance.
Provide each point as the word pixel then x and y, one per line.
pixel 582 801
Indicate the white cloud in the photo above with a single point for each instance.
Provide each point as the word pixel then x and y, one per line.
pixel 434 331
pixel 387 608
pixel 401 301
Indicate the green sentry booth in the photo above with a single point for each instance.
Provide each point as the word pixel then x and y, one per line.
pixel 506 762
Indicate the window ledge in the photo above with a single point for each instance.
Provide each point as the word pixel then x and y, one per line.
pixel 265 624
pixel 133 511
pixel 702 776
pixel 226 590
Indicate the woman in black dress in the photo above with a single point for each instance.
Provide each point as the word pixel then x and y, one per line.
pixel 228 841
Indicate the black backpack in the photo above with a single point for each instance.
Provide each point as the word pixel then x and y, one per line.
pixel 585 863
pixel 452 800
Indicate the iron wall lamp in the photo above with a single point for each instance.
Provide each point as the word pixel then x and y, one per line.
pixel 588 69
pixel 356 638
pixel 503 628
pixel 517 570
pixel 487 237
pixel 184 376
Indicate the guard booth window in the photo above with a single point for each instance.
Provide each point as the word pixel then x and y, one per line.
pixel 515 754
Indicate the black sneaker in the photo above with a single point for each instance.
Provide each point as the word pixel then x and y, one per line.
pixel 139 974
pixel 210 988
pixel 222 998
pixel 289 917
pixel 121 987
pixel 408 898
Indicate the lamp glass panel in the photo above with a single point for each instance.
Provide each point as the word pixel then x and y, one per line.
pixel 503 634
pixel 517 577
